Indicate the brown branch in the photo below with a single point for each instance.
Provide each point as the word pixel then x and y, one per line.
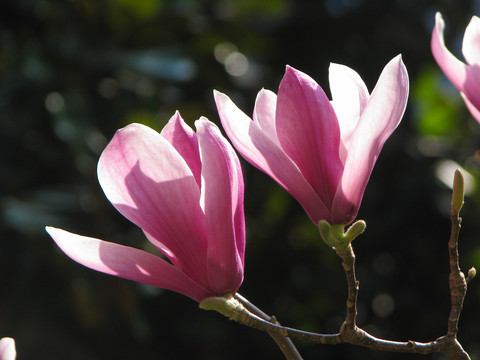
pixel 249 315
pixel 348 263
pixel 350 333
pixel 284 343
pixel 457 281
pixel 458 284
pixel 356 336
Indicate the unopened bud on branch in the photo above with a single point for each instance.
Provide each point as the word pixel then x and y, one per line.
pixel 458 192
pixel 471 273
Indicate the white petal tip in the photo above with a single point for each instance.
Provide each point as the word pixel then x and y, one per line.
pixel 439 22
pixel 217 94
pixel 203 121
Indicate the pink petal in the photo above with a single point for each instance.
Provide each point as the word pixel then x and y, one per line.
pixel 473 110
pixel 471 51
pixel 454 69
pixel 127 262
pixel 465 78
pixel 222 191
pixel 349 97
pixel 184 140
pixel 381 116
pixel 7 349
pixel 264 113
pixel 147 180
pixel 308 132
pixel 261 151
pixel 471 42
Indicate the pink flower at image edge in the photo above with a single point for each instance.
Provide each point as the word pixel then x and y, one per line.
pixel 7 349
pixel 322 152
pixel 185 191
pixel 465 77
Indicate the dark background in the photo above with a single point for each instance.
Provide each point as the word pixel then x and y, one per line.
pixel 72 72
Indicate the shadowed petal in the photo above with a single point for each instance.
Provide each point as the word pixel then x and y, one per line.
pixel 381 116
pixel 127 262
pixel 308 131
pixel 222 191
pixel 261 151
pixel 147 180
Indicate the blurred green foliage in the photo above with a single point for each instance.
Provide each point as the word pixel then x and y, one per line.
pixel 436 110
pixel 72 72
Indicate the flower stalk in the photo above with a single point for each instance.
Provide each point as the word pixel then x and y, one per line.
pixel 348 263
pixel 284 343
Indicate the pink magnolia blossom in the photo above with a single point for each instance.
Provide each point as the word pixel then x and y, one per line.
pixel 185 191
pixel 320 151
pixel 7 349
pixel 465 77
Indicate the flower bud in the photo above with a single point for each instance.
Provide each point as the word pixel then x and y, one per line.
pixel 471 273
pixel 458 192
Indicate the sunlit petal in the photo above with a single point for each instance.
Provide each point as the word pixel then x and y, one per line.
pixel 7 349
pixel 127 262
pixel 471 42
pixel 147 180
pixel 264 113
pixel 186 193
pixel 349 97
pixel 380 117
pixel 454 69
pixel 466 78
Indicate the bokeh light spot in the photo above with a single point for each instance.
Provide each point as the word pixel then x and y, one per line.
pixel 444 171
pixel 222 50
pixel 383 305
pixel 236 64
pixel 54 102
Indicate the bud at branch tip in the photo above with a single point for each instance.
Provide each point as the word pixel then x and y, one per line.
pixel 471 273
pixel 458 192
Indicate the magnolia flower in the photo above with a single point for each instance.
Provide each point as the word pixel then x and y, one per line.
pixel 7 349
pixel 320 151
pixel 465 77
pixel 185 191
